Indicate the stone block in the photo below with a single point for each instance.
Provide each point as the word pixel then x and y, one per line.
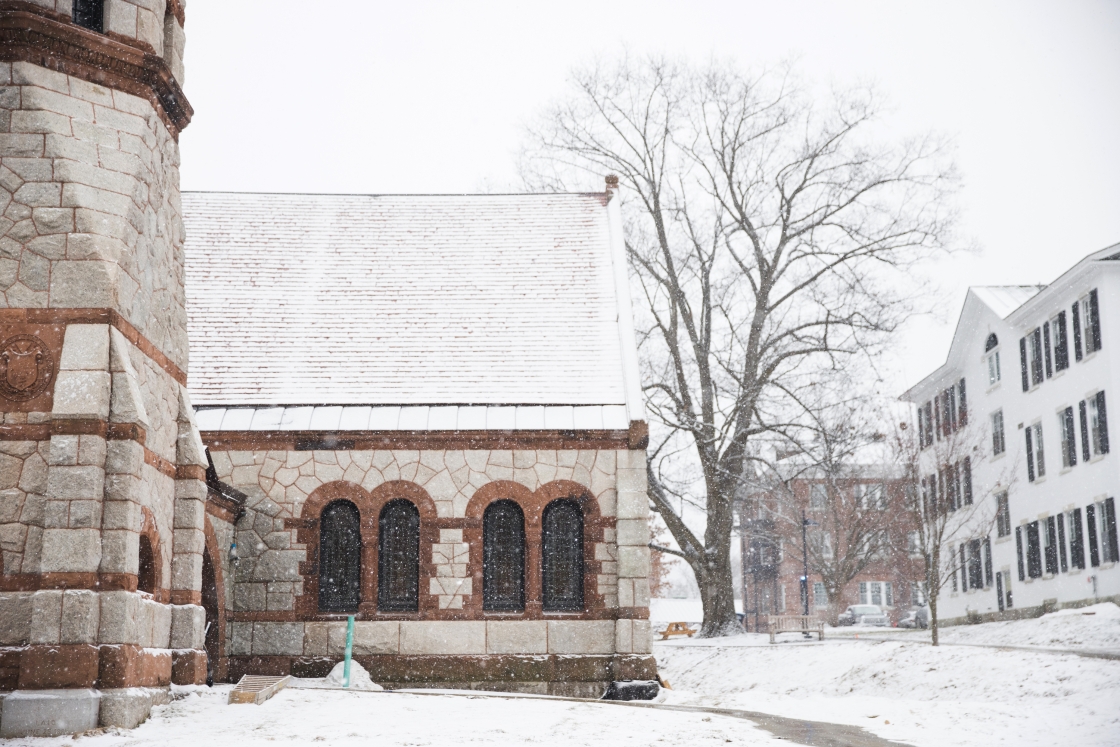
pixel 64 451
pixel 29 74
pixel 278 565
pixel 123 515
pixel 85 283
pixel 633 562
pixel 49 713
pixel 315 638
pixel 443 637
pixel 81 616
pixel 450 536
pixel 125 708
pixel 161 623
pixel 21 145
pixel 186 571
pixel 124 457
pixel 632 480
pixel 76 483
pixel 277 639
pixel 581 636
pixel 369 638
pixel 632 505
pixel 85 348
pixel 15 618
pixel 71 550
pixel 188 667
pixel 249 597
pixel 188 623
pixel 189 514
pixel 81 394
pixel 643 637
pixel 517 637
pixel 120 613
pixel 120 549
pixel 241 639
pixel 632 532
pixel 449 585
pixel 623 636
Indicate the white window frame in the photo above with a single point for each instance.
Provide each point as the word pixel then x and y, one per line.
pixel 999 437
pixel 1039 376
pixel 820 597
pixel 1065 435
pixel 1086 319
pixel 994 374
pixel 1094 416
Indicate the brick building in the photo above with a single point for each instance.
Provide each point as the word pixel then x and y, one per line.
pixel 859 527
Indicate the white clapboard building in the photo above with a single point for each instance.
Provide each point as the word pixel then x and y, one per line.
pixel 1014 439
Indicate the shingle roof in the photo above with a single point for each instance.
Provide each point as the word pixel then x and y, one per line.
pixel 404 300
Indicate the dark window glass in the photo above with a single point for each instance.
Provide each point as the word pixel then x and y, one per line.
pixel 962 404
pixel 90 14
pixel 1076 540
pixel 1102 424
pixel 146 576
pixel 340 557
pixel 975 565
pixel 562 558
pixel 999 591
pixel 1023 361
pixel 1036 356
pixel 1003 515
pixel 398 557
pixel 987 562
pixel 503 557
pixel 1051 546
pixel 1093 324
pixel 991 342
pixel 1034 551
pixel 1030 456
pixel 1061 344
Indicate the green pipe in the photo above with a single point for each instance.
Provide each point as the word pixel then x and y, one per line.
pixel 349 650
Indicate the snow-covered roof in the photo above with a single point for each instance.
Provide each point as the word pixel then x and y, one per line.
pixel 1003 299
pixel 408 300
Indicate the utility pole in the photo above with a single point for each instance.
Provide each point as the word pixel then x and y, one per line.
pixel 804 566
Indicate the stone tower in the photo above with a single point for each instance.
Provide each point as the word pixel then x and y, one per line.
pixel 101 467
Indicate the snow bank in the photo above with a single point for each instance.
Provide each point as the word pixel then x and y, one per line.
pixel 1095 627
pixel 359 677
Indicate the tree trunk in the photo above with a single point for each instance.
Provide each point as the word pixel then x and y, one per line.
pixel 717 593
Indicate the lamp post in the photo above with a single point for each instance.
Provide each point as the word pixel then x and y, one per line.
pixel 805 524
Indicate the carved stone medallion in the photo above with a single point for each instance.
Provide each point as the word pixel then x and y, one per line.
pixel 26 367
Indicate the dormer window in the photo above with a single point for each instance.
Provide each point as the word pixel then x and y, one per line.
pixel 90 14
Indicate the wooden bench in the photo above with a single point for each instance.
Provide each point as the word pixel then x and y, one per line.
pixel 795 624
pixel 677 629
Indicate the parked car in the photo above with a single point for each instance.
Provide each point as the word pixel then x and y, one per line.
pixel 915 618
pixel 864 614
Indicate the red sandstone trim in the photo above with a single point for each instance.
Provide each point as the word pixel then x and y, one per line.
pixel 419 440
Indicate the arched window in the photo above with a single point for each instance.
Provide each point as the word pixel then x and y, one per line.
pixel 340 557
pixel 562 556
pixel 503 557
pixel 146 576
pixel 991 342
pixel 398 557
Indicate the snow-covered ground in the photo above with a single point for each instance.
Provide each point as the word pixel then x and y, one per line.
pixel 908 691
pixel 901 689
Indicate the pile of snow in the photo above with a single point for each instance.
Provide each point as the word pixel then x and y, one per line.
pixel 359 677
pixel 1095 627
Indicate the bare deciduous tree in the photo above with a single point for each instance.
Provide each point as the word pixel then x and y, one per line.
pixel 768 233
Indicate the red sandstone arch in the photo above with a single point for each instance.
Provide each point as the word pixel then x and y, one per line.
pixel 220 665
pixel 150 532
pixel 369 509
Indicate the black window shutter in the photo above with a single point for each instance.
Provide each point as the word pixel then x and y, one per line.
pixel 1108 521
pixel 1061 344
pixel 921 428
pixel 962 404
pixel 1023 362
pixel 1091 525
pixel 1102 417
pixel 1070 429
pixel 964 569
pixel 987 561
pixel 1062 542
pixel 999 591
pixel 937 427
pixel 1094 322
pixel 1019 552
pixel 1034 551
pixel 1030 456
pixel 1046 347
pixel 1076 330
pixel 966 469
pixel 1036 357
pixel 1082 407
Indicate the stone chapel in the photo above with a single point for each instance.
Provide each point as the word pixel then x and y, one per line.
pixel 231 421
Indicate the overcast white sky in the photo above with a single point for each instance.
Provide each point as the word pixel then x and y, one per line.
pixel 354 96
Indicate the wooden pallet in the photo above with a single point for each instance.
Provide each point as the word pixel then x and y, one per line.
pixel 257 689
